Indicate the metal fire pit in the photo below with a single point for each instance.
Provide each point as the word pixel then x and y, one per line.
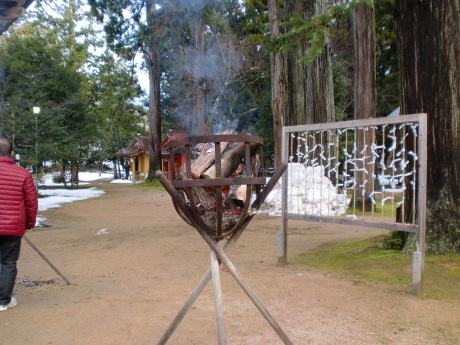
pixel 224 217
pixel 218 221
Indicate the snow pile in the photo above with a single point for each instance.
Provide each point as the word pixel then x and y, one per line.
pixel 53 198
pixel 84 177
pixel 93 176
pixel 310 192
pixel 121 181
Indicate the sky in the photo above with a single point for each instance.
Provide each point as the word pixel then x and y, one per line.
pixel 142 74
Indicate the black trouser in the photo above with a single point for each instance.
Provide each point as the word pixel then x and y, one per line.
pixel 10 247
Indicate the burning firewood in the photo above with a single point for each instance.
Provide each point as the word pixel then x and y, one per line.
pixel 233 198
pixel 206 156
pixel 206 159
pixel 230 161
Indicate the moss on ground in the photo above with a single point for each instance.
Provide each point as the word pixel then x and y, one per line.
pixel 149 185
pixel 55 213
pixel 364 260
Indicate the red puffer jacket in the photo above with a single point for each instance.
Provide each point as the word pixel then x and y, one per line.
pixel 18 199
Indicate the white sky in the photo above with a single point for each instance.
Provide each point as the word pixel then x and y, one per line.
pixel 142 75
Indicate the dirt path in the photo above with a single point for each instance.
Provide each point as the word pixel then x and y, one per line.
pixel 128 284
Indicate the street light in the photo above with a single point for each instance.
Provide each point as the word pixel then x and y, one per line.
pixel 36 111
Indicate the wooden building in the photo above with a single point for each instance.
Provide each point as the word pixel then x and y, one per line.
pixel 138 155
pixel 179 157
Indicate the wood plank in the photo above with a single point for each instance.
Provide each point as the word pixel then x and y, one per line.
pixel 236 181
pixel 414 228
pixel 356 123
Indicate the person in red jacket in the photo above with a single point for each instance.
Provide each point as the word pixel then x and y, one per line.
pixel 18 212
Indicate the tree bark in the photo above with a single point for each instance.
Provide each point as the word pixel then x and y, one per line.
pixel 429 49
pixel 364 90
pixel 198 122
pixel 309 87
pixel 296 72
pixel 300 93
pixel 277 81
pixel 153 65
pixel 319 84
pixel 364 63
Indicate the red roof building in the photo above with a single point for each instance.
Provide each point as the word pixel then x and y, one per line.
pixel 179 157
pixel 138 154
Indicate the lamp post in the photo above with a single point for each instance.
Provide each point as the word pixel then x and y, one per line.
pixel 36 111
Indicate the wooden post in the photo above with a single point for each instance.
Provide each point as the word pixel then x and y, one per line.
pixel 417 269
pixel 282 252
pixel 217 290
pixel 244 286
pixel 280 242
pixel 196 292
pixel 34 247
pixel 419 259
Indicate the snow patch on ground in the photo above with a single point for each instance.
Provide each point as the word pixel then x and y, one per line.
pixel 85 177
pixel 54 198
pixel 310 192
pixel 121 181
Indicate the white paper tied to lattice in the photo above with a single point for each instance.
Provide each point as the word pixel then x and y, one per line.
pixel 368 172
pixel 372 164
pixel 311 193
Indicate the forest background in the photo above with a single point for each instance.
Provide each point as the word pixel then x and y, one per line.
pixel 249 65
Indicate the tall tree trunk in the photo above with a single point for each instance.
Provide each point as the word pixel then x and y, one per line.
pixel 300 93
pixel 277 81
pixel 63 175
pixel 74 169
pixel 198 122
pixel 153 65
pixel 364 93
pixel 319 84
pixel 429 49
pixel 364 61
pixel 115 169
pixel 309 88
pixel 296 72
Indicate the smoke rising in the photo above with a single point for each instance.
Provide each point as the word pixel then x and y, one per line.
pixel 217 70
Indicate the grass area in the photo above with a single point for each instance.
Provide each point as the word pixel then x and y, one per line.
pixel 388 209
pixel 149 185
pixel 363 260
